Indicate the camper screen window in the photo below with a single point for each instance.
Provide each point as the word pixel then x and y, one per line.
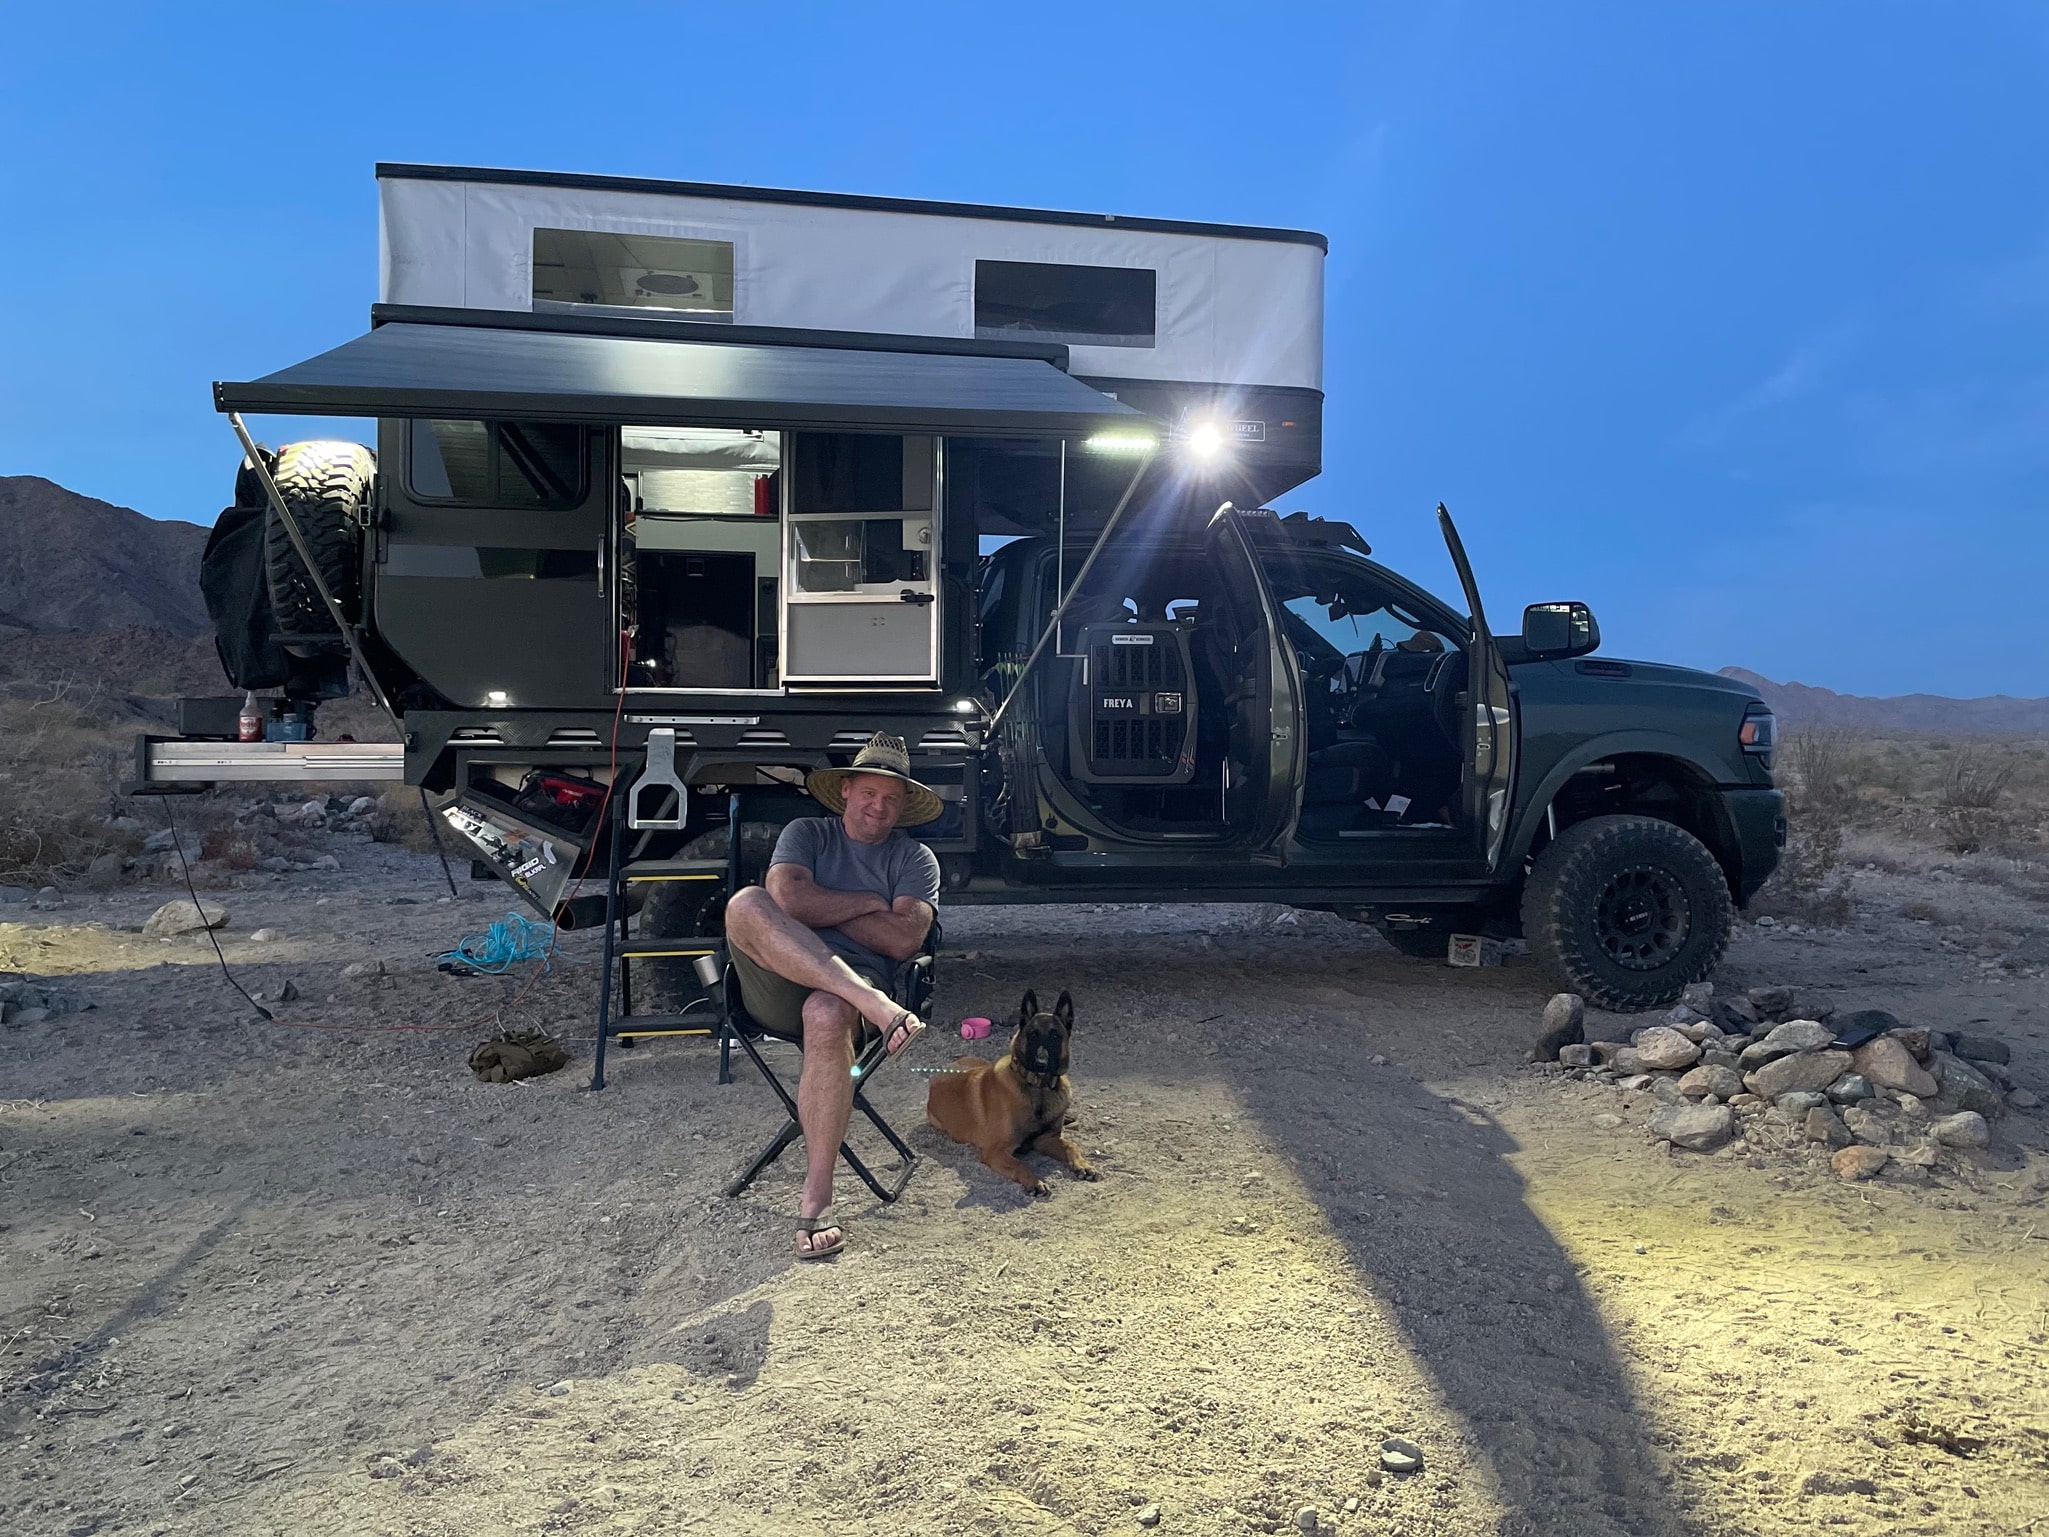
pixel 630 271
pixel 1094 306
pixel 496 464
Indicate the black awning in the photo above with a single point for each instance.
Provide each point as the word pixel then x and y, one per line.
pixel 469 371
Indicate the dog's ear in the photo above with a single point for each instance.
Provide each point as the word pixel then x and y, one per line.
pixel 1064 1011
pixel 1028 1008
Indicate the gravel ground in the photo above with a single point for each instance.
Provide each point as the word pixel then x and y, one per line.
pixel 311 1278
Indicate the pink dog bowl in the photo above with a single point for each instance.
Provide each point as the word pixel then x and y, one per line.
pixel 974 1029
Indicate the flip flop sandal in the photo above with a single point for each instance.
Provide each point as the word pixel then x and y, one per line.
pixel 816 1225
pixel 911 1026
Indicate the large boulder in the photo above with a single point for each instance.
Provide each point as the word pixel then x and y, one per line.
pixel 1886 1063
pixel 1565 1018
pixel 1802 1070
pixel 184 916
pixel 1966 1128
pixel 1705 1080
pixel 1662 1049
pixel 1859 1161
pixel 1697 1128
pixel 1963 1086
pixel 1794 1035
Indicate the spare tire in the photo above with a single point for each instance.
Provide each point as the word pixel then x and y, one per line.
pixel 327 486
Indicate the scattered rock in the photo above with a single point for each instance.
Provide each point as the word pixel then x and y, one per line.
pixel 1858 1162
pixel 28 1016
pixel 1666 1089
pixel 14 893
pixel 1868 1126
pixel 1771 1002
pixel 362 805
pixel 1886 1063
pixel 1626 1062
pixel 1398 1455
pixel 1607 1120
pixel 1745 1101
pixel 1826 1127
pixel 1150 1516
pixel 1576 1054
pixel 1966 1128
pixel 1633 1082
pixel 1850 1088
pixel 1698 996
pixel 1696 1128
pixel 1964 1087
pixel 324 862
pixel 1711 1080
pixel 183 916
pixel 2022 1099
pixel 1802 1070
pixel 1798 1102
pixel 1662 1049
pixel 306 814
pixel 1982 1048
pixel 267 936
pixel 1737 1014
pixel 363 969
pixel 1305 1519
pixel 1564 1025
pixel 1794 1035
pixel 1911 1106
pixel 289 993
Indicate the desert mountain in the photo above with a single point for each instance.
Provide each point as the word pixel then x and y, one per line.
pixel 1801 704
pixel 73 563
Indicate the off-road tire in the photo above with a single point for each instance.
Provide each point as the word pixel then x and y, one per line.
pixel 327 486
pixel 1626 910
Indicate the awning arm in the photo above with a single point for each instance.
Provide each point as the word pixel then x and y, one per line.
pixel 1060 609
pixel 292 531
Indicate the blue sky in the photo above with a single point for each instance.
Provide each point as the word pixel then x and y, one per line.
pixel 1728 318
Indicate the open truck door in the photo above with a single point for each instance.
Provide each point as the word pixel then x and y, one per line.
pixel 1265 692
pixel 1490 729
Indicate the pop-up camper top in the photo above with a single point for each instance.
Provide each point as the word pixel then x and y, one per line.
pixel 688 441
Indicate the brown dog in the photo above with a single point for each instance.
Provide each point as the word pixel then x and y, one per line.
pixel 1018 1103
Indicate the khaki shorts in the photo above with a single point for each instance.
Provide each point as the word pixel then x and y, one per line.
pixel 777 1004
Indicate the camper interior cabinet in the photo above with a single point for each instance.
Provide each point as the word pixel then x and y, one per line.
pixel 755 560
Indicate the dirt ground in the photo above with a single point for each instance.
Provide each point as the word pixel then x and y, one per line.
pixel 311 1278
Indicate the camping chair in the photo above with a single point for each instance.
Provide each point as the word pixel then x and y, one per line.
pixel 913 992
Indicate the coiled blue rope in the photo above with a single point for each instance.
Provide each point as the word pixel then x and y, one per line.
pixel 507 942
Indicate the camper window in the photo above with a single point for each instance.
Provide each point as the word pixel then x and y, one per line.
pixel 496 464
pixel 1061 302
pixel 577 268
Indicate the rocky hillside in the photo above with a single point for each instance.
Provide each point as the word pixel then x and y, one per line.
pixel 1801 704
pixel 71 563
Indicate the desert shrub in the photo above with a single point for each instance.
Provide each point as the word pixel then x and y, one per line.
pixel 58 774
pixel 1928 912
pixel 1970 811
pixel 398 819
pixel 1819 771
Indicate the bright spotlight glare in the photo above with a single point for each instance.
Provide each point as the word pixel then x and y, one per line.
pixel 1119 443
pixel 1205 441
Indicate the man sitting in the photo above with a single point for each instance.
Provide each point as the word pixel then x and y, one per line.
pixel 818 948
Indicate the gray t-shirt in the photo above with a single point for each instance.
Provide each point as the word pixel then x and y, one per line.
pixel 899 866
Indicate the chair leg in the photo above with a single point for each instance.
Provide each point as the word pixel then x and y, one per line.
pixel 769 1154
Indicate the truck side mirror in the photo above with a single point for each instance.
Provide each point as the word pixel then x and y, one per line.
pixel 1558 630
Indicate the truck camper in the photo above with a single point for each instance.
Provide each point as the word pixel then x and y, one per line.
pixel 674 492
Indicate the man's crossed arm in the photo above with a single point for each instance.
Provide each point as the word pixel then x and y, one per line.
pixel 895 929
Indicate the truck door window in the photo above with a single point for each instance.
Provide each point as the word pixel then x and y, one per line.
pixel 525 465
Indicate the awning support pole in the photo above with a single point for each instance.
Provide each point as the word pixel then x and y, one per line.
pixel 1060 609
pixel 334 610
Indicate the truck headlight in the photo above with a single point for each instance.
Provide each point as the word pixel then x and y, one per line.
pixel 1759 732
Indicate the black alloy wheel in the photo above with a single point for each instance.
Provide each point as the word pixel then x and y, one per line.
pixel 1626 910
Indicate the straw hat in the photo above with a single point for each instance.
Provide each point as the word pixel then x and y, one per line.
pixel 885 755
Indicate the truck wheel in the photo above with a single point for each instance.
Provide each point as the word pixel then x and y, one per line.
pixel 327 487
pixel 1626 910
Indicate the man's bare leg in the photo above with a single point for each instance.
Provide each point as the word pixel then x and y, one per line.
pixel 777 942
pixel 825 1100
